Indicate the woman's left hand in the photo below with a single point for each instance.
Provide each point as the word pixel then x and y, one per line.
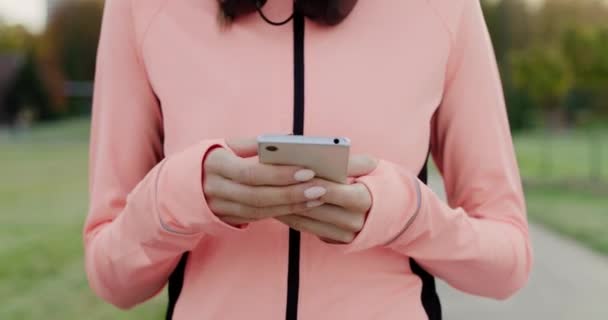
pixel 344 208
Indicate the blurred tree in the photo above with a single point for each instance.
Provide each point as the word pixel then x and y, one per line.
pixel 516 27
pixel 509 23
pixel 68 50
pixel 555 16
pixel 601 83
pixel 14 38
pixel 587 51
pixel 544 73
pixel 25 92
pixel 552 18
pixel 73 33
pixel 576 27
pixel 28 93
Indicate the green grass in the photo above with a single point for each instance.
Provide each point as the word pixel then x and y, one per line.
pixel 43 203
pixel 573 155
pixel 579 215
pixel 569 196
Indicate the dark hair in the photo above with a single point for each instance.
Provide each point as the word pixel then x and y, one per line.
pixel 330 12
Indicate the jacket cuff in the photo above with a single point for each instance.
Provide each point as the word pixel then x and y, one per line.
pixel 395 204
pixel 180 201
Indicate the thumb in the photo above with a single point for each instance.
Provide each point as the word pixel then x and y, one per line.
pixel 360 165
pixel 243 148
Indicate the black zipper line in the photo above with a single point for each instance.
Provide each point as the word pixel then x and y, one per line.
pixel 429 297
pixel 298 74
pixel 293 267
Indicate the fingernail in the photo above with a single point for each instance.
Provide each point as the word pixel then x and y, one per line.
pixel 315 192
pixel 304 175
pixel 314 204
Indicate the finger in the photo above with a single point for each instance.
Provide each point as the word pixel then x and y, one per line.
pixel 250 172
pixel 222 207
pixel 320 229
pixel 261 196
pixel 354 197
pixel 235 221
pixel 216 161
pixel 329 241
pixel 338 216
pixel 360 165
pixel 243 147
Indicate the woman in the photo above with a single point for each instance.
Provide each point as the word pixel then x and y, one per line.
pixel 176 188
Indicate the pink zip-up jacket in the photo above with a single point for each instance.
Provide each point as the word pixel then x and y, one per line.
pixel 396 77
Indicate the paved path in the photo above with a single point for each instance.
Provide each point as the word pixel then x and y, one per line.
pixel 568 282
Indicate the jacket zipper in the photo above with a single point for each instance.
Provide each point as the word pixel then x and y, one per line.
pixel 293 267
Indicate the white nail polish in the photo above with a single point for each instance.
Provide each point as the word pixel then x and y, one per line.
pixel 304 175
pixel 314 204
pixel 314 192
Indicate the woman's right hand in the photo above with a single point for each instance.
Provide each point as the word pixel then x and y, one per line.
pixel 242 190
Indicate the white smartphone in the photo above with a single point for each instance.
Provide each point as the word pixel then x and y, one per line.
pixel 326 156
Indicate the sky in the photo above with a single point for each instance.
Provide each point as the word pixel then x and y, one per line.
pixel 31 13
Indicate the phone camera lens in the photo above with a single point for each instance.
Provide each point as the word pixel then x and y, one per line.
pixel 272 148
pixel 336 141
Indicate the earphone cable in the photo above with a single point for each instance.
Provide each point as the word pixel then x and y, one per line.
pixel 258 6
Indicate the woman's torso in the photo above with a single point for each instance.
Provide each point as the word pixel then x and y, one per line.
pixel 377 78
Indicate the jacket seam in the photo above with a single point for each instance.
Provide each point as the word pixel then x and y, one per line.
pixel 452 34
pixel 144 33
pixel 443 23
pixel 141 38
pixel 139 56
pixel 163 225
pixel 414 215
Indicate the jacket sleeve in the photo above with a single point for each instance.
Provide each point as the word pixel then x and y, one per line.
pixel 145 210
pixel 477 242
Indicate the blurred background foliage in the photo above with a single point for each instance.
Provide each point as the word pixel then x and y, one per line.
pixel 63 54
pixel 553 58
